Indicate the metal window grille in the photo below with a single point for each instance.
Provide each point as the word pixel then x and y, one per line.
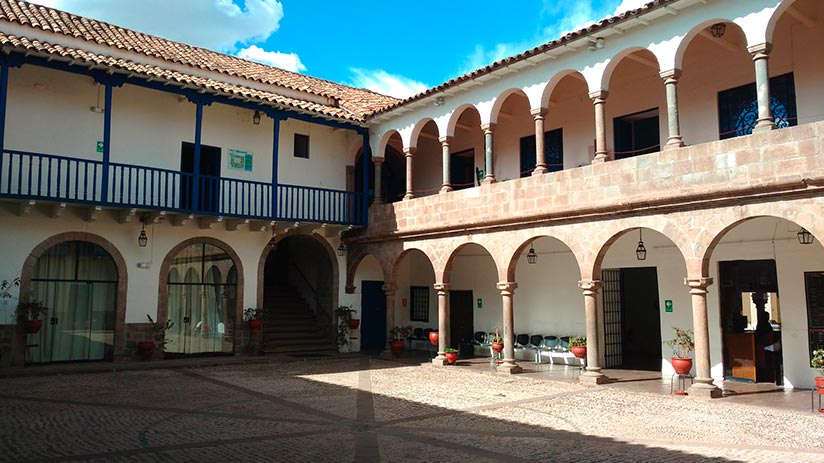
pixel 612 318
pixel 419 303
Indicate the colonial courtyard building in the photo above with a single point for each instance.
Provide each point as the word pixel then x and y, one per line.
pixel 657 169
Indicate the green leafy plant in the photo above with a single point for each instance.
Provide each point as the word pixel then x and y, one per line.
pixel 450 350
pixel 817 361
pixel 6 285
pixel 495 336
pixel 253 313
pixel 578 341
pixel 344 314
pixel 682 344
pixel 158 333
pixel 31 310
pixel 400 333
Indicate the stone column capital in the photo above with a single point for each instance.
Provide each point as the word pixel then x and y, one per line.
pixel 389 288
pixel 409 151
pixel 598 96
pixel 442 287
pixel 670 76
pixel 760 51
pixel 590 286
pixel 445 141
pixel 698 285
pixel 378 160
pixel 488 128
pixel 538 113
pixel 507 287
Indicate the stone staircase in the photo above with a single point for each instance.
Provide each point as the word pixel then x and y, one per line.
pixel 291 326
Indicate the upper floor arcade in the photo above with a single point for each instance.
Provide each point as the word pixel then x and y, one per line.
pixel 669 83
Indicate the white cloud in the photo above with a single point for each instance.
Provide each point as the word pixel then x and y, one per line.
pixel 385 83
pixel 627 5
pixel 288 61
pixel 221 25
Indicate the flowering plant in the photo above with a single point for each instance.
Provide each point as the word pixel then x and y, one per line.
pixel 400 333
pixel 495 336
pixel 682 344
pixel 818 360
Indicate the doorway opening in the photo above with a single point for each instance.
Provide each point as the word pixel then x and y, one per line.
pixel 77 281
pixel 632 318
pixel 637 134
pixel 751 320
pixel 462 169
pixel 373 316
pixel 461 321
pixel 208 187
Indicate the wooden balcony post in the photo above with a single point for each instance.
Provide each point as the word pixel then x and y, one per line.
pixel 274 210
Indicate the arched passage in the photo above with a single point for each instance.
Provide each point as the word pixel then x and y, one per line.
pixel 514 136
pixel 416 301
pixel 393 174
pixel 636 107
pixel 466 148
pixel 427 166
pixel 549 303
pixel 764 313
pixel 569 122
pixel 641 269
pixel 474 300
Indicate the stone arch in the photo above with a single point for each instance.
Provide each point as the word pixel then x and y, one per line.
pixel 456 114
pixel 163 286
pixel 719 235
pixel 776 16
pixel 554 81
pixel 513 261
pixel 402 255
pixel 694 32
pixel 122 277
pixel 333 258
pixel 418 128
pixel 446 274
pixel 384 141
pixel 355 257
pixel 618 58
pixel 500 100
pixel 667 229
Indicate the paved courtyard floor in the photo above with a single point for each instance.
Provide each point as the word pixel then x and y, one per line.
pixel 356 408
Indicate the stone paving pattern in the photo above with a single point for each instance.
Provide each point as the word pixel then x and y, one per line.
pixel 362 409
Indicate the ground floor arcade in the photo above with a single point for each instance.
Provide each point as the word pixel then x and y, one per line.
pixel 744 277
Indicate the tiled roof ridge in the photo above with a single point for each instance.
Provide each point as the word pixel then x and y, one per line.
pixel 546 46
pixel 96 31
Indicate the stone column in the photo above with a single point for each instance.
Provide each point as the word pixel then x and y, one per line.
pixel 410 192
pixel 540 154
pixel 443 323
pixel 378 164
pixel 507 289
pixel 389 289
pixel 599 100
pixel 447 164
pixel 593 373
pixel 673 122
pixel 489 159
pixel 760 55
pixel 702 385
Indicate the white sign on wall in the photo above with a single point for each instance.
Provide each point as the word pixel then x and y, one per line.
pixel 240 160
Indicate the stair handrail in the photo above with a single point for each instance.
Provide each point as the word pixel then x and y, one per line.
pixel 317 307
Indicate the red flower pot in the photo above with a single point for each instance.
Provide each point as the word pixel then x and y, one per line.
pixel 396 346
pixel 145 348
pixel 497 347
pixel 451 357
pixel 682 366
pixel 353 323
pixel 32 326
pixel 819 384
pixel 255 324
pixel 580 352
pixel 433 337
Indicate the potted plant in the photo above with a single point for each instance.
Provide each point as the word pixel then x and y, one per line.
pixel 681 345
pixel 157 331
pixel 451 355
pixel 254 316
pixel 398 337
pixel 29 312
pixel 434 337
pixel 817 362
pixel 496 341
pixel 344 316
pixel 578 346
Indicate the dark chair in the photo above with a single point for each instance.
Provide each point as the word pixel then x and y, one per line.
pixel 535 343
pixel 522 342
pixel 417 335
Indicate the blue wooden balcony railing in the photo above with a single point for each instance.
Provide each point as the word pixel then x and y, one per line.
pixel 57 178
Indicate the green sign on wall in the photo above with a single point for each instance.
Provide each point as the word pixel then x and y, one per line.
pixel 668 305
pixel 480 303
pixel 99 146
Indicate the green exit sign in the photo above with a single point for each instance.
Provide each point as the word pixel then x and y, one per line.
pixel 668 305
pixel 480 303
pixel 99 146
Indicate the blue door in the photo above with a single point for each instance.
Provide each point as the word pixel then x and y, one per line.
pixel 373 315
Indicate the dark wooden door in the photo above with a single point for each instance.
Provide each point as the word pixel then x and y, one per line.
pixel 640 319
pixel 461 318
pixel 373 315
pixel 209 184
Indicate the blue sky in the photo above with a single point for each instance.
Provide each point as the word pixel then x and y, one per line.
pixel 396 48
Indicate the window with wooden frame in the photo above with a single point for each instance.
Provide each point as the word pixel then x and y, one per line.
pixel 301 146
pixel 419 303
